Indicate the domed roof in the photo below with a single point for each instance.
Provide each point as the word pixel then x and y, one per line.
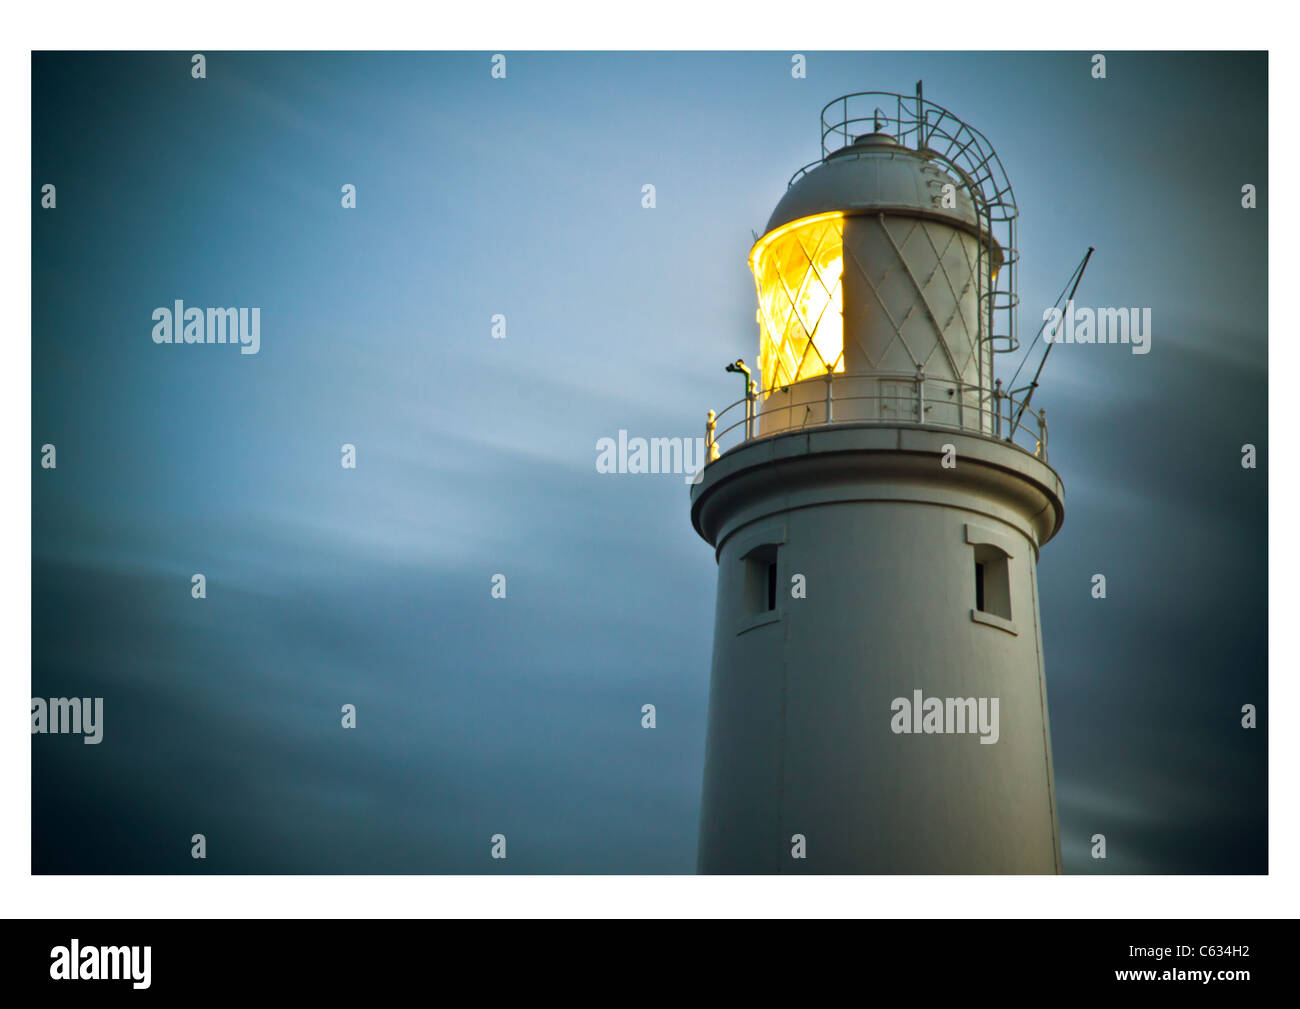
pixel 875 172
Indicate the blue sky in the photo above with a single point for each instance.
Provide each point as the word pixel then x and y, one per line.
pixel 370 586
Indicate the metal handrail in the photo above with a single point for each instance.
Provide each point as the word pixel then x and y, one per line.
pixel 997 407
pixel 922 124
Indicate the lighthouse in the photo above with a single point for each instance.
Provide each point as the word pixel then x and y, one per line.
pixel 876 501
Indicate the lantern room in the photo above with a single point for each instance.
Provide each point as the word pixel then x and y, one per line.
pixel 880 282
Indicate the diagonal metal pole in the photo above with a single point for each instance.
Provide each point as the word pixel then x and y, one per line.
pixel 1034 384
pixel 1029 351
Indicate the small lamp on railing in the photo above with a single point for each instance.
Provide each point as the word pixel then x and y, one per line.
pixel 738 367
pixel 751 393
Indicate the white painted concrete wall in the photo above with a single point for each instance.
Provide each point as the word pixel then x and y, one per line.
pixel 799 732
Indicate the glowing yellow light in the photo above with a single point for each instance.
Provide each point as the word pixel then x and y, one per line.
pixel 798 270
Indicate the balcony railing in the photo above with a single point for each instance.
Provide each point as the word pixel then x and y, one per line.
pixel 879 398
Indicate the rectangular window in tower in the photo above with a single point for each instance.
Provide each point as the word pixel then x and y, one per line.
pixel 760 583
pixel 992 581
pixel 992 551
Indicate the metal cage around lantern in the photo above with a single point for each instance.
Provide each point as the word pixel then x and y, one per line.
pixel 934 131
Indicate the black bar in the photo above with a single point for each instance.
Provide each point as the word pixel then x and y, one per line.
pixel 917 958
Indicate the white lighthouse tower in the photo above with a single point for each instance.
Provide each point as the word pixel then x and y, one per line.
pixel 877 502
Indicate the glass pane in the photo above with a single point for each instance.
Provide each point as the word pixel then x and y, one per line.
pixel 798 272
